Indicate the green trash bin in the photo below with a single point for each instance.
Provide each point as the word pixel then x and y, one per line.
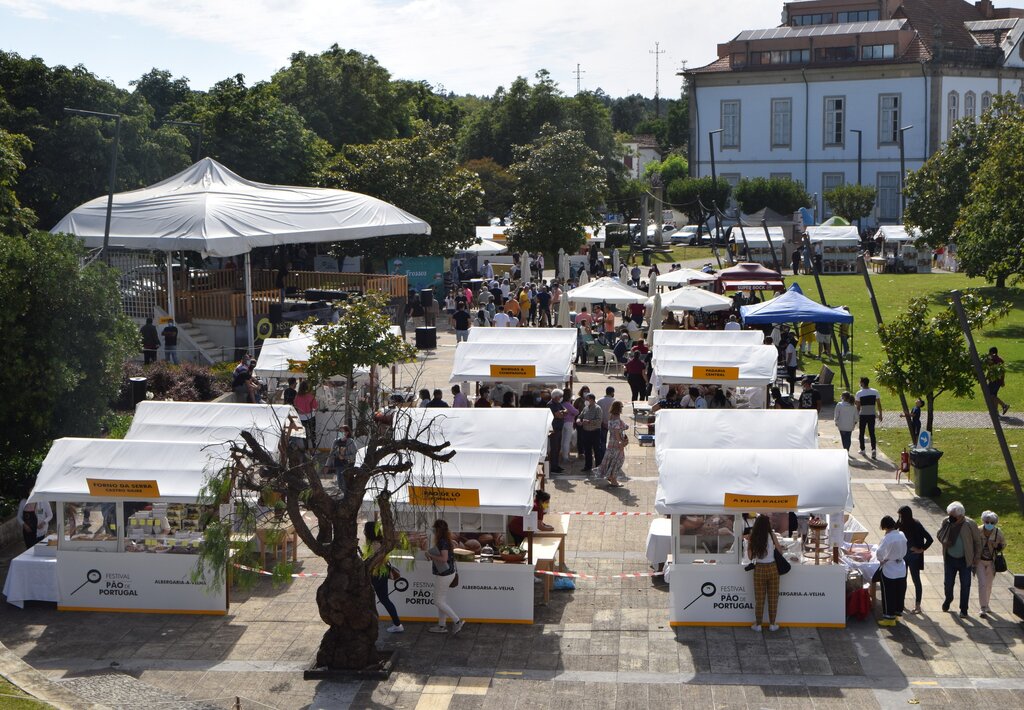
pixel 926 471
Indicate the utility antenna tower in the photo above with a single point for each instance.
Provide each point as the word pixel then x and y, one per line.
pixel 579 73
pixel 657 51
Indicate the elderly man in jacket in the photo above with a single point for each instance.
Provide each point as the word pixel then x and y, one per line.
pixel 961 552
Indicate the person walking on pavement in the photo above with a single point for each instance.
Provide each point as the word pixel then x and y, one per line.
pixel 869 406
pixel 555 437
pixel 992 544
pixel 845 417
pixel 995 374
pixel 442 558
pixel 382 577
pixel 893 568
pixel 961 552
pixel 170 333
pixel 918 540
pixel 615 457
pixel 150 342
pixel 589 432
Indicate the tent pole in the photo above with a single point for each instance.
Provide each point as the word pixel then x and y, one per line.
pixel 821 294
pixel 249 319
pixel 170 285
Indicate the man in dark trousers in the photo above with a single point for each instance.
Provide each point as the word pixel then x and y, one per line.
pixel 170 334
pixel 150 342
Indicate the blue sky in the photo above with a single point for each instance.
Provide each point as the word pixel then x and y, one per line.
pixel 465 46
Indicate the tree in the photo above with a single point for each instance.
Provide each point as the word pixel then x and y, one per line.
pixel 698 196
pixel 628 112
pixel 498 187
pixel 670 169
pixel 782 195
pixel 345 599
pixel 14 219
pixel 422 176
pixel 560 188
pixel 677 133
pixel 852 202
pixel 162 91
pixel 345 96
pixel 925 352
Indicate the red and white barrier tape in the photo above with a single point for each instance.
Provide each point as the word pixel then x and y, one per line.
pixel 606 513
pixel 297 575
pixel 576 575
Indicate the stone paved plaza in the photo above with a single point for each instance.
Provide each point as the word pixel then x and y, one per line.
pixel 606 645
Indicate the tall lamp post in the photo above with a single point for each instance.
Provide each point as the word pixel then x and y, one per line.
pixel 113 166
pixel 199 135
pixel 860 162
pixel 714 182
pixel 903 172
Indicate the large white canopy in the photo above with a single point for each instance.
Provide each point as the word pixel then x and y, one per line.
pixel 486 247
pixel 834 236
pixel 735 429
pixel 213 422
pixel 550 362
pixel 561 336
pixel 209 209
pixel 483 429
pixel 898 233
pixel 684 276
pixel 691 298
pixel 756 237
pixel 697 480
pixel 179 468
pixel 677 364
pixel 707 337
pixel 605 290
pixel 286 357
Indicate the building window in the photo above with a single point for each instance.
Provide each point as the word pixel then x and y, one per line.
pixel 781 176
pixel 986 101
pixel 835 54
pixel 835 120
pixel 730 125
pixel 829 181
pixel 823 18
pixel 733 179
pixel 878 51
pixel 782 123
pixel 970 105
pixel 888 118
pixel 952 112
pixel 888 196
pixel 785 56
pixel 857 16
pixel 1020 95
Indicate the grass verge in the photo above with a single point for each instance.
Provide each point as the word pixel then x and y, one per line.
pixel 12 698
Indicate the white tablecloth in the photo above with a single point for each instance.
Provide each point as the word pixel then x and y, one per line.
pixel 659 541
pixel 31 578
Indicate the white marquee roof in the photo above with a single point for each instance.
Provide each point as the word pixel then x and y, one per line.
pixel 734 429
pixel 684 276
pixel 674 364
pixel 834 235
pixel 212 422
pixel 707 337
pixel 552 361
pixel 691 298
pixel 606 290
pixel 209 209
pixel 275 354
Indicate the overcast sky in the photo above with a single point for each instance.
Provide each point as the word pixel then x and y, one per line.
pixel 465 46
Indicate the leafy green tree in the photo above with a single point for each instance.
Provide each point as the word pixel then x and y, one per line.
pixel 345 96
pixel 424 104
pixel 695 196
pixel 422 176
pixel 670 169
pixel 560 188
pixel 254 133
pixel 628 112
pixel 498 186
pixel 852 202
pixel 926 355
pixel 782 195
pixel 14 219
pixel 162 91
pixel 677 123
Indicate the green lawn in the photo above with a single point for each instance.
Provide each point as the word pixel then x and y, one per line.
pixel 972 471
pixel 893 291
pixel 12 698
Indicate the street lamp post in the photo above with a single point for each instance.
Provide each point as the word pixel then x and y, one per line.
pixel 199 135
pixel 714 182
pixel 903 172
pixel 860 163
pixel 113 166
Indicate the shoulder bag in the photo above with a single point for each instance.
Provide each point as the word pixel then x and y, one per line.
pixel 782 563
pixel 998 561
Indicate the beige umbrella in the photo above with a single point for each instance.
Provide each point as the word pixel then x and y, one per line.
pixel 652 287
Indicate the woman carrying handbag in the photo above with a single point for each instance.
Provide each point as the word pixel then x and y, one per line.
pixel 761 550
pixel 992 560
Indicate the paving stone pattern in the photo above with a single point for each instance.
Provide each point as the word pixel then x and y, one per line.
pixel 607 644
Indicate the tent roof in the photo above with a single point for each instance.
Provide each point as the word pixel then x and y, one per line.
pixel 561 336
pixel 485 247
pixel 209 209
pixel 697 480
pixel 275 353
pixel 898 233
pixel 484 429
pixel 735 428
pixel 793 307
pixel 179 468
pixel 212 422
pixel 473 361
pixel 749 271
pixel 692 298
pixel 755 236
pixel 683 277
pixel 605 290
pixel 674 364
pixel 836 234
pixel 707 337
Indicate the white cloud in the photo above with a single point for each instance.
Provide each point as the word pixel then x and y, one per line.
pixel 469 46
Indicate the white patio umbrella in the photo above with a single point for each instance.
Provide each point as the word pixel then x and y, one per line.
pixel 615 262
pixel 563 312
pixel 684 277
pixel 691 298
pixel 562 264
pixel 652 285
pixel 656 310
pixel 584 277
pixel 606 290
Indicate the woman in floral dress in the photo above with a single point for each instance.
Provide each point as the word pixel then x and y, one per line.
pixel 615 456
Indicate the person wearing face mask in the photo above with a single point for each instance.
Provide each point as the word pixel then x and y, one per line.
pixel 992 543
pixel 890 554
pixel 961 551
pixel 541 502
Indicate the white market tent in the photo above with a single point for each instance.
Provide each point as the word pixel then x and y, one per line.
pixel 707 337
pixel 685 277
pixel 697 480
pixel 834 236
pixel 755 365
pixel 692 298
pixel 213 422
pixel 484 430
pixel 605 290
pixel 286 357
pixel 542 362
pixel 756 238
pixel 491 233
pixel 485 247
pixel 897 233
pixel 734 428
pixel 561 336
pixel 179 468
pixel 209 209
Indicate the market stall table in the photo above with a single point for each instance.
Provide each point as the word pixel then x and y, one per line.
pixel 659 542
pixel 31 577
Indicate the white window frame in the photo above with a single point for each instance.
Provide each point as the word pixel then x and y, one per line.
pixel 883 197
pixel 731 124
pixel 782 123
pixel 889 119
pixel 829 118
pixel 952 111
pixel 971 106
pixel 986 101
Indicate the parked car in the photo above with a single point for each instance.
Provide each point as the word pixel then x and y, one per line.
pixel 689 235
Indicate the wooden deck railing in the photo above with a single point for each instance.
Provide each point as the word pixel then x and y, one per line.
pixel 266 279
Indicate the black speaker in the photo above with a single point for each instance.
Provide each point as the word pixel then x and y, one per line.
pixel 427 297
pixel 275 313
pixel 426 338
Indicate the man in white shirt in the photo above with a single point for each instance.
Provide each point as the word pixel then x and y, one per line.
pixel 791 364
pixel 733 324
pixel 501 320
pixel 890 553
pixel 513 322
pixel 488 269
pixel 498 393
